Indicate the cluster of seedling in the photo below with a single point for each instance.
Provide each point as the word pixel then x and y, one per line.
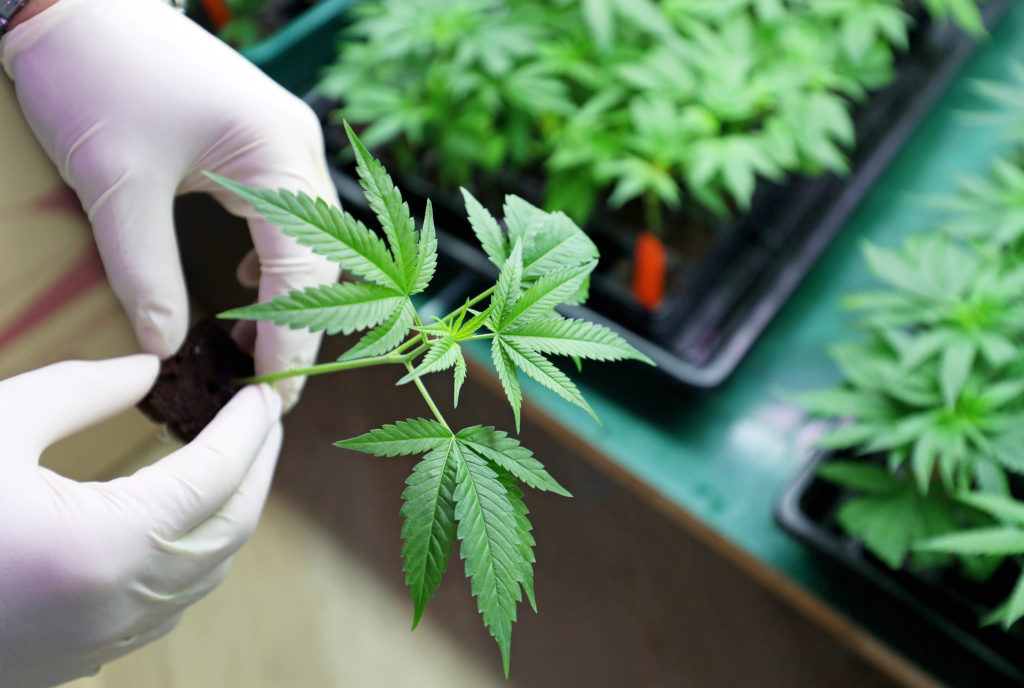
pixel 934 392
pixel 465 488
pixel 682 103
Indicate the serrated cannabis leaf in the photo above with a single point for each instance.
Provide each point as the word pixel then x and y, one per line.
pixel 545 372
pixel 487 230
pixel 490 545
pixel 392 212
pixel 429 528
pixel 426 252
pixel 326 229
pixel 567 337
pixel 540 298
pixel 412 436
pixel 498 447
pixel 507 290
pixel 460 376
pixel 385 336
pixel 526 541
pixel 333 308
pixel 508 377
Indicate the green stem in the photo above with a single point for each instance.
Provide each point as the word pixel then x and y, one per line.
pixel 322 368
pixel 479 297
pixel 430 401
pixel 405 345
pixel 652 213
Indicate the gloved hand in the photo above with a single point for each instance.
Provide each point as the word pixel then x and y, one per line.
pixel 91 571
pixel 132 101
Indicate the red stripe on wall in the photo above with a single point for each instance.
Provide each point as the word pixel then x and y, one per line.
pixel 83 273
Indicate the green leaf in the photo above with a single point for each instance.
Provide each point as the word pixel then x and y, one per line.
pixel 541 297
pixel 522 219
pixel 442 355
pixel 429 528
pixel 923 459
pixel 526 541
pixel 847 436
pixel 923 347
pixel 1008 451
pixel 1003 508
pixel 997 349
pixel 426 252
pixel 498 447
pixel 567 337
pixel 893 268
pixel 470 327
pixel 600 21
pixel 386 336
pixel 957 360
pixel 545 372
pixel 460 376
pixel 490 545
pixel 507 289
pixel 840 402
pixel 508 377
pixel 327 230
pixel 857 475
pixel 1001 540
pixel 998 394
pixel 1010 611
pixel 551 241
pixel 334 308
pixel 487 230
pixel 386 201
pixel 557 243
pixel 889 521
pixel 412 436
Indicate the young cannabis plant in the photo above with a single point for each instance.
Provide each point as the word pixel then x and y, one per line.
pixel 939 383
pixel 465 487
pixel 996 542
pixel 890 514
pixel 988 211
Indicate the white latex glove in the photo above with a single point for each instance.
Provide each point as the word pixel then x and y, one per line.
pixel 132 101
pixel 91 571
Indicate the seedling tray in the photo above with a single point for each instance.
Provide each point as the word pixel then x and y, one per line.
pixel 932 616
pixel 703 330
pixel 294 55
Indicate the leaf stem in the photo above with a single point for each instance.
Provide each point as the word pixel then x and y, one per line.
pixel 427 398
pixel 479 297
pixel 332 367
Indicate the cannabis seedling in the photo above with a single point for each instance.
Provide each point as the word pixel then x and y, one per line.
pixel 996 542
pixel 465 486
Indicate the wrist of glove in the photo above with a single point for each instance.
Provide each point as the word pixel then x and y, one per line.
pixel 92 571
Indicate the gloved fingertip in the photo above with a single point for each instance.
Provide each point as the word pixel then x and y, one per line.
pixel 160 330
pixel 289 391
pixel 148 364
pixel 275 402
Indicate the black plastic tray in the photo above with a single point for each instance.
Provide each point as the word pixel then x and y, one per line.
pixel 702 332
pixel 932 617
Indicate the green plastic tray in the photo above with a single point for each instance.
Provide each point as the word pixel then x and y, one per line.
pixel 295 55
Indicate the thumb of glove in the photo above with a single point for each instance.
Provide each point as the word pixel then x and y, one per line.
pixel 43 406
